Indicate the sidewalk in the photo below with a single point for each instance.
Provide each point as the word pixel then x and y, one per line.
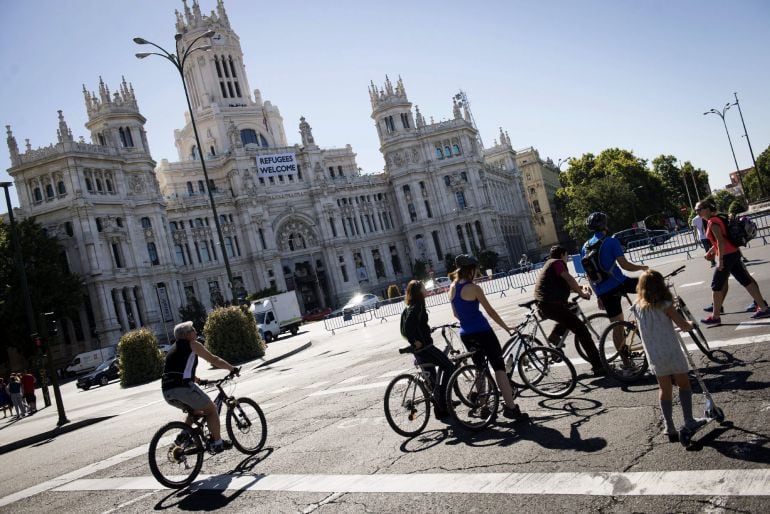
pixel 41 426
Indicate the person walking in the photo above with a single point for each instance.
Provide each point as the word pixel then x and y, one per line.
pixel 28 391
pixel 700 230
pixel 728 263
pixel 14 388
pixel 5 399
pixel 611 259
pixel 552 289
pixel 656 315
pixel 475 331
pixel 415 329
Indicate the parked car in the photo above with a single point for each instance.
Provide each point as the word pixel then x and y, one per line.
pixel 361 303
pixel 437 285
pixel 636 237
pixel 316 314
pixel 106 371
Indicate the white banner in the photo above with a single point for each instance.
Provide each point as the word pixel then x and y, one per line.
pixel 165 305
pixel 276 164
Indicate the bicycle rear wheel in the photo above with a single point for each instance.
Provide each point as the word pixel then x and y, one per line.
pixel 528 341
pixel 176 455
pixel 547 371
pixel 407 408
pixel 628 361
pixel 246 426
pixel 476 405
pixel 596 323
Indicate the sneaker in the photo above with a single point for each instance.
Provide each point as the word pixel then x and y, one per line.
pixel 711 321
pixel 515 414
pixel 599 371
pixel 221 445
pixel 710 308
pixel 673 435
pixel 761 313
pixel 752 307
pixel 694 424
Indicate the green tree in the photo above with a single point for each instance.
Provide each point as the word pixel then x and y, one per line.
pixel 751 180
pixel 488 259
pixel 52 287
pixel 194 311
pixel 723 199
pixel 140 358
pixel 232 333
pixel 420 269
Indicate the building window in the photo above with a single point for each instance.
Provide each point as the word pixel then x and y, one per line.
pixel 49 191
pixel 447 152
pixel 405 120
pixel 109 185
pixel 412 211
pixel 116 255
pixel 229 247
pixel 262 239
pixel 464 176
pixel 439 153
pixel 427 209
pixel 146 223
pixel 98 224
pixel 460 195
pixel 437 244
pixel 89 185
pixel 333 226
pixel 60 187
pixel 152 251
pixel 390 127
pixel 480 234
pixel 179 256
pixel 461 238
pixel 194 153
pixel 536 205
pixel 456 149
pixel 447 180
pixel 249 137
pixel 99 186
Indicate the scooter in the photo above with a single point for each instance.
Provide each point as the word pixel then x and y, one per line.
pixel 711 412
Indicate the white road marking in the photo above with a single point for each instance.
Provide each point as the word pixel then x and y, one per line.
pixel 129 502
pixel 723 482
pixel 140 407
pixel 353 379
pixel 349 389
pixel 316 385
pixel 692 284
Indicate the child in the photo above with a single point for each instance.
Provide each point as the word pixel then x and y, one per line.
pixel 654 311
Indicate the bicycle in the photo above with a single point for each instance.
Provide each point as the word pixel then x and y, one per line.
pixel 408 396
pixel 633 359
pixel 177 449
pixel 472 393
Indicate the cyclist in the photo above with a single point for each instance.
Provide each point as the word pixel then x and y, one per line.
pixel 180 385
pixel 475 331
pixel 552 289
pixel 414 327
pixel 611 259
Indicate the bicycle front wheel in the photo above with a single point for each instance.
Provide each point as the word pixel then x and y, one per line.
pixel 475 406
pixel 176 455
pixel 596 323
pixel 246 426
pixel 407 408
pixel 528 341
pixel 547 371
pixel 622 353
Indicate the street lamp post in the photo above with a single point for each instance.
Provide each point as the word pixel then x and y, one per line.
pixel 751 151
pixel 562 161
pixel 178 60
pixel 721 114
pixel 20 268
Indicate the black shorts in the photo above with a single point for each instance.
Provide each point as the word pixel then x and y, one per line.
pixel 489 345
pixel 611 299
pixel 731 265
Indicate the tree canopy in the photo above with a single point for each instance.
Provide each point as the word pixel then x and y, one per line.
pixel 752 182
pixel 52 287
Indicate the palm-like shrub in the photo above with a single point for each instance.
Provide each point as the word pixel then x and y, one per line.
pixel 231 333
pixel 140 358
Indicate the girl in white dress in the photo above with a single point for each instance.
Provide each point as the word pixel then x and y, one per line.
pixel 656 315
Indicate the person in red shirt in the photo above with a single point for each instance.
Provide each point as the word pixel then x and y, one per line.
pixel 28 391
pixel 728 263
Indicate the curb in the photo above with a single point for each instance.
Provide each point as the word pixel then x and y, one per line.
pixel 50 434
pixel 284 356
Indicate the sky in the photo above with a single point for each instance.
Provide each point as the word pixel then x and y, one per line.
pixel 565 77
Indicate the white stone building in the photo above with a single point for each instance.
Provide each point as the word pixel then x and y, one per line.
pixel 143 237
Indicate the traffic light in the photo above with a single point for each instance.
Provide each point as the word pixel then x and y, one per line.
pixel 51 325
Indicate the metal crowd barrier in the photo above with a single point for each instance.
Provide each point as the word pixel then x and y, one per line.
pixel 523 280
pixel 347 319
pixel 497 283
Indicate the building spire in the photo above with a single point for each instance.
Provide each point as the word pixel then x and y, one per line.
pixel 456 109
pixel 13 148
pixel 420 119
pixel 222 13
pixel 63 133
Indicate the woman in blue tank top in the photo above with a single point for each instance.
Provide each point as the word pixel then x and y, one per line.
pixel 475 331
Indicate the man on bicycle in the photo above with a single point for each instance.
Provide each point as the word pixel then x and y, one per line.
pixel 179 383
pixel 611 259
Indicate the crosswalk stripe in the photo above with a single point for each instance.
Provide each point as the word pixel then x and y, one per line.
pixel 725 482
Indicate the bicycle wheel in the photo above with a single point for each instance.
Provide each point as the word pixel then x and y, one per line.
pixel 596 323
pixel 246 426
pixel 407 408
pixel 176 455
pixel 481 392
pixel 628 361
pixel 528 341
pixel 547 371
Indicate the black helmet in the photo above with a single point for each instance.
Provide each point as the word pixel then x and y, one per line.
pixel 464 260
pixel 596 221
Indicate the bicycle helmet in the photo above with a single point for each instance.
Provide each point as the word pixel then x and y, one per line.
pixel 596 221
pixel 464 260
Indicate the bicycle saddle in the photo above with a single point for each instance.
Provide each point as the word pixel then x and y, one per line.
pixel 528 305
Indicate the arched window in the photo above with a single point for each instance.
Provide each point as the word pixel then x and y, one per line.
pixel 456 149
pixel 179 255
pixel 173 226
pixel 447 152
pixel 99 186
pixel 38 195
pixel 480 234
pixel 263 141
pixel 89 185
pixel 190 190
pixel 296 242
pixel 439 153
pixel 60 187
pixel 249 137
pixel 146 223
pixel 109 184
pixel 119 222
pixel 49 191
pixel 194 153
pixel 68 228
pixel 447 180
pixel 152 251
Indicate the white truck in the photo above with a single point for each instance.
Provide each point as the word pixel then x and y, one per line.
pixel 87 361
pixel 276 315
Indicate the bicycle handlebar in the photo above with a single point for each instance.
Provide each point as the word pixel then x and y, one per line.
pixel 675 272
pixel 448 325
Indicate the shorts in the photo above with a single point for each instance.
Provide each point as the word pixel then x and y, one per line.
pixel 731 265
pixel 187 397
pixel 611 299
pixel 489 345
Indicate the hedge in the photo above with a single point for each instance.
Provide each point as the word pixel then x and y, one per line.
pixel 231 333
pixel 140 358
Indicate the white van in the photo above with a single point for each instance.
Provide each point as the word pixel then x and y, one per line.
pixel 87 361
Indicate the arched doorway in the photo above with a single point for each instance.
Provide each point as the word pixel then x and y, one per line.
pixel 303 263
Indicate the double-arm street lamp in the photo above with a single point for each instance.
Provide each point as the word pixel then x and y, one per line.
pixel 178 60
pixel 562 161
pixel 721 114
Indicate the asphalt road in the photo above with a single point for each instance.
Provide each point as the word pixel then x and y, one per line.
pixel 329 448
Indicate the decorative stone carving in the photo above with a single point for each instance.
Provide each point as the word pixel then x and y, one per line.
pixel 295 234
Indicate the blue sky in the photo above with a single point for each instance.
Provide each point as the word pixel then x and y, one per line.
pixel 567 77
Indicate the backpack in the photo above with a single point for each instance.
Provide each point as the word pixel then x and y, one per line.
pixel 591 263
pixel 739 230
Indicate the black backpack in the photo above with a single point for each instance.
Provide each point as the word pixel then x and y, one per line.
pixel 739 230
pixel 591 263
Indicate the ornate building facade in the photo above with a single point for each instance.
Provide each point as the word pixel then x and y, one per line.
pixel 293 216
